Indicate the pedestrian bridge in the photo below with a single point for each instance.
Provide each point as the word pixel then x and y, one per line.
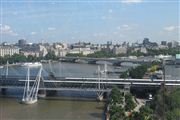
pixel 32 85
pixel 82 83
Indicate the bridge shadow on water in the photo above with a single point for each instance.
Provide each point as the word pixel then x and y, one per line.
pixel 98 115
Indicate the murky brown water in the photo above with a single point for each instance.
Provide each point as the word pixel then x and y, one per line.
pixel 11 109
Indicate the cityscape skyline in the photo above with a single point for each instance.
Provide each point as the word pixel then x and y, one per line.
pixel 90 21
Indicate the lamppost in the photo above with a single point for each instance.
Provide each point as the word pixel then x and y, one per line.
pixel 164 77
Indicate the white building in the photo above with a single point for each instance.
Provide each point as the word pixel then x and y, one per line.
pixel 8 50
pixel 84 51
pixel 42 50
pixel 119 50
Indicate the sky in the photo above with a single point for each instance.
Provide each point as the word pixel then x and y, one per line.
pixel 95 21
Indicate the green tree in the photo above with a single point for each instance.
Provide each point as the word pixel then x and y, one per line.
pixel 129 102
pixel 116 96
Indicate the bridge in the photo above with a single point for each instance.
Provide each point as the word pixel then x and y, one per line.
pixel 115 61
pixel 32 85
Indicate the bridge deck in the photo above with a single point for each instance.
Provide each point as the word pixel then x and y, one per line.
pixel 80 84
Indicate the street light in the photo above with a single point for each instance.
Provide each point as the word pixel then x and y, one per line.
pixel 164 77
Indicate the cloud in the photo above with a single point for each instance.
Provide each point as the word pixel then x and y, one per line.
pixel 132 1
pixel 6 29
pixel 126 27
pixel 33 33
pixel 51 28
pixel 171 28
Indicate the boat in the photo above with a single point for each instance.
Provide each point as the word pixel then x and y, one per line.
pixel 30 64
pixel 1 67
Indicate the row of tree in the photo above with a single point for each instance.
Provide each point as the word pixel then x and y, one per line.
pixel 136 73
pixel 21 58
pixel 166 106
pixel 150 52
pixel 122 107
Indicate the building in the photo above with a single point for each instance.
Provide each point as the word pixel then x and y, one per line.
pixel 169 44
pixel 21 42
pixel 163 43
pixel 8 50
pixel 84 51
pixel 148 44
pixel 175 44
pixel 119 50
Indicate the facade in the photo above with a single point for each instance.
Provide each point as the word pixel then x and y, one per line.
pixel 84 51
pixel 163 43
pixel 22 42
pixel 120 50
pixel 8 50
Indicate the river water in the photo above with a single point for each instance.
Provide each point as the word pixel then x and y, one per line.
pixel 65 105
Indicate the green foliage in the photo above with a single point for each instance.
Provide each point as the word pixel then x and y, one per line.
pixel 130 104
pixel 125 74
pixel 74 55
pixel 117 113
pixel 137 53
pixel 169 51
pixel 136 73
pixel 102 54
pixel 21 58
pixel 51 56
pixel 115 101
pixel 172 104
pixel 115 96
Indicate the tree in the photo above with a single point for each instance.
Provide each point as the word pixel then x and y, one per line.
pixel 129 103
pixel 51 56
pixel 115 96
pixel 117 113
pixel 171 103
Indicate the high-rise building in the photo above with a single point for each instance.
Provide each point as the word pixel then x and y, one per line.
pixel 22 43
pixel 163 43
pixel 169 44
pixel 146 41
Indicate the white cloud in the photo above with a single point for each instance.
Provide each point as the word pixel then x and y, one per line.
pixel 171 28
pixel 51 28
pixel 132 1
pixel 126 27
pixel 33 33
pixel 6 29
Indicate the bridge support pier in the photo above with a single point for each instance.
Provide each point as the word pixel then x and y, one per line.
pixel 51 92
pixel 3 91
pixel 41 93
pixel 103 96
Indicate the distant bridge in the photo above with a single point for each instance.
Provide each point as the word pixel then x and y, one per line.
pixel 111 60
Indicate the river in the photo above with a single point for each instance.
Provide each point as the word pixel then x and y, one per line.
pixel 66 105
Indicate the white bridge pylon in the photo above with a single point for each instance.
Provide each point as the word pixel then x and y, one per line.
pixel 31 91
pixel 101 85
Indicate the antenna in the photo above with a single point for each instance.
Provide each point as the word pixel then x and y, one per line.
pixel 42 32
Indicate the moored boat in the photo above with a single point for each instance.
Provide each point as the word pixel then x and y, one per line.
pixel 31 64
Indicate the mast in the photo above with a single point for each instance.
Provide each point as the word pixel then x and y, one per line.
pixel 7 68
pixel 28 73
